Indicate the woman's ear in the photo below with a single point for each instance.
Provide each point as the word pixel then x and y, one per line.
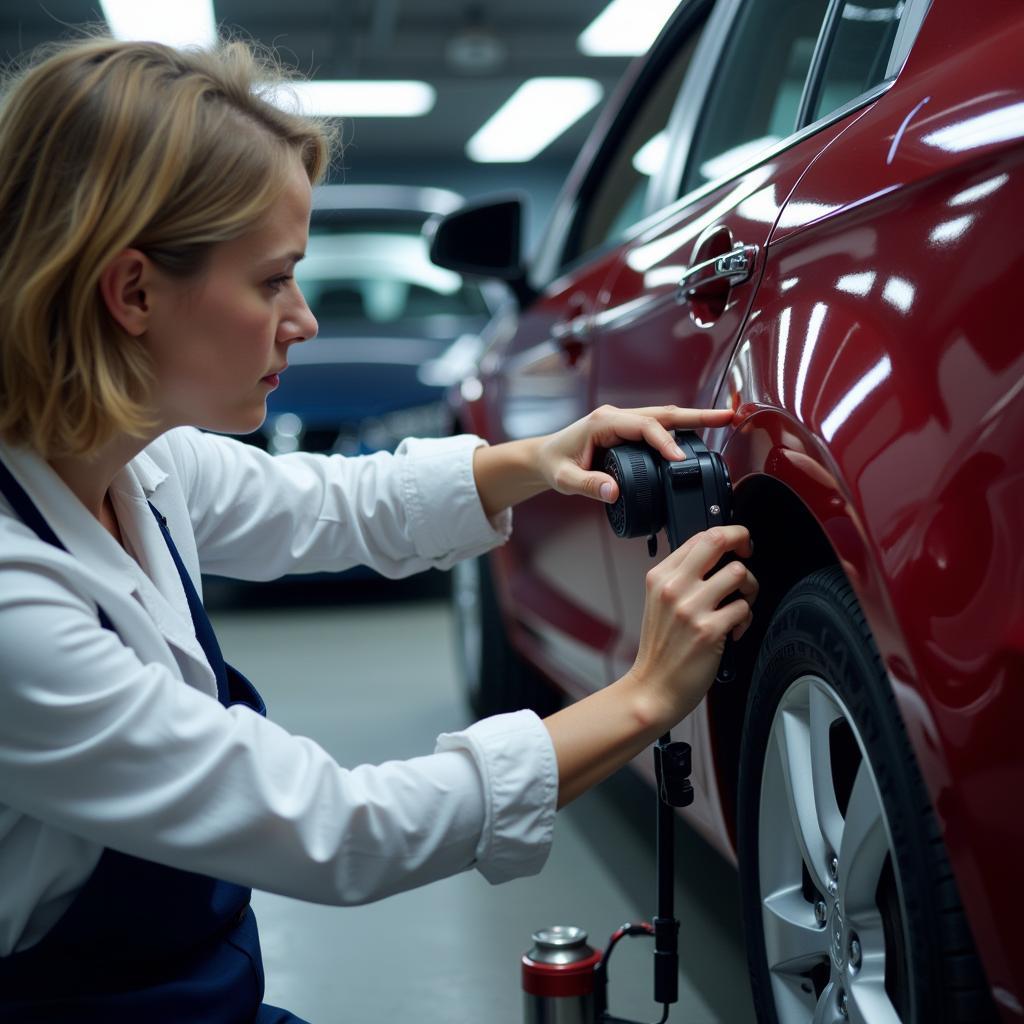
pixel 123 285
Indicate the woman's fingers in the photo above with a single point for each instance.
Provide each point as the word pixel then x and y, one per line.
pixel 734 618
pixel 738 631
pixel 681 578
pixel 733 577
pixel 653 425
pixel 676 418
pixel 571 478
pixel 699 554
pixel 714 544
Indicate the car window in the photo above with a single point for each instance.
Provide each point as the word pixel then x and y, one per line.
pixel 754 100
pixel 614 199
pixel 380 276
pixel 859 52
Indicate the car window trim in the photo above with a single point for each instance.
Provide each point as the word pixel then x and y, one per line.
pixel 682 126
pixel 910 24
pixel 546 265
pixel 689 105
pixel 654 219
pixel 863 100
pixel 816 70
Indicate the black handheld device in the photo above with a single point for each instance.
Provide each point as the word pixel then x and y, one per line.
pixel 683 498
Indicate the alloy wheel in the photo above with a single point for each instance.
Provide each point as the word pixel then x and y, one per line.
pixel 826 869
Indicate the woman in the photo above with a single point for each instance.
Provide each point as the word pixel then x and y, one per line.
pixel 152 210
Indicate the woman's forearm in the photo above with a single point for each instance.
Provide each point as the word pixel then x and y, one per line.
pixel 507 473
pixel 598 735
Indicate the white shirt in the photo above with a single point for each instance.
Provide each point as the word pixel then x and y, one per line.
pixel 117 739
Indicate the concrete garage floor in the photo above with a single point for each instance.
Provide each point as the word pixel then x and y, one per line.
pixel 376 681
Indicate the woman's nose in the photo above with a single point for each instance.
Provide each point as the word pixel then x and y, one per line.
pixel 299 324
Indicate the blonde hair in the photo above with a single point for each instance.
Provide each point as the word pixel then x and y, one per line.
pixel 106 145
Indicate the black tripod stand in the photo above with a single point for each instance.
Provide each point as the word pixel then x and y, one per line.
pixel 672 766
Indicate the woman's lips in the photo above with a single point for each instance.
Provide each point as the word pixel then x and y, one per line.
pixel 272 379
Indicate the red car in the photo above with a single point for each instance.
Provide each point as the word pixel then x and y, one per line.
pixel 810 212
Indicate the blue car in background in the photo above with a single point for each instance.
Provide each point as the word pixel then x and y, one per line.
pixel 395 330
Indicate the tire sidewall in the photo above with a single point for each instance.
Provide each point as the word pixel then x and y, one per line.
pixel 819 630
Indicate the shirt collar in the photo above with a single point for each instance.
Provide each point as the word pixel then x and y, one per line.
pixel 147 472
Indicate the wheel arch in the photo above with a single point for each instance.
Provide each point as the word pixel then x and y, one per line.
pixel 788 495
pixel 790 544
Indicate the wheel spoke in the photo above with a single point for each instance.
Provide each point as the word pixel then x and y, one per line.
pixel 794 942
pixel 794 998
pixel 863 848
pixel 822 713
pixel 792 737
pixel 869 1003
pixel 827 1010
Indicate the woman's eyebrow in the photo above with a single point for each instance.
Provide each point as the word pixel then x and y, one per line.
pixel 288 257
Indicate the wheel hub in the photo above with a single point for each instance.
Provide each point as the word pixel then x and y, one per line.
pixel 837 939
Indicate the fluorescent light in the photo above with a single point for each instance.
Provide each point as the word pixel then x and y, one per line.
pixel 1001 125
pixel 355 98
pixel 899 293
pixel 856 396
pixel 625 28
pixel 733 160
pixel 857 284
pixel 951 230
pixel 174 22
pixel 979 191
pixel 532 118
pixel 647 160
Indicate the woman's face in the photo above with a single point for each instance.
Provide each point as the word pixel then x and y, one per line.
pixel 219 341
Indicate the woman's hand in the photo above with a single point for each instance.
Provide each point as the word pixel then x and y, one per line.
pixel 681 643
pixel 684 629
pixel 564 458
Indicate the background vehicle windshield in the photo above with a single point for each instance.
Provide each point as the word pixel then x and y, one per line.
pixel 380 276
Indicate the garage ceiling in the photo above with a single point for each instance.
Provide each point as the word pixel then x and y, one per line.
pixel 389 39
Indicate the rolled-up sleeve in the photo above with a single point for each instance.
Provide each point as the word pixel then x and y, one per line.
pixel 258 516
pixel 441 499
pixel 516 760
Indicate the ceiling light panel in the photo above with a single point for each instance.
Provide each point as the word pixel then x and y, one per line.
pixel 536 114
pixel 174 22
pixel 354 98
pixel 625 28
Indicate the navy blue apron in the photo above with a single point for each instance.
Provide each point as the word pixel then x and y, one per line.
pixel 143 943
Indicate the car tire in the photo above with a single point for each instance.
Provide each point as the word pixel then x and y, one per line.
pixel 850 908
pixel 494 677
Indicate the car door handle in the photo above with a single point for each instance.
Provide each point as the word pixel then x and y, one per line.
pixel 568 330
pixel 571 337
pixel 731 268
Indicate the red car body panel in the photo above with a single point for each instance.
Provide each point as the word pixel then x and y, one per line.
pixel 882 373
pixel 876 364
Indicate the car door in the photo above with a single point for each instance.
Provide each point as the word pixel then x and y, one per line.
pixel 559 593
pixel 672 309
pixel 554 567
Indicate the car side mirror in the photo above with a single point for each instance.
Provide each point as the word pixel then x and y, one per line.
pixel 483 239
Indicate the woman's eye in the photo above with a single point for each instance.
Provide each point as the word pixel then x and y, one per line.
pixel 277 283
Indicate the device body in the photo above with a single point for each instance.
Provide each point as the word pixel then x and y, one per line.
pixel 683 498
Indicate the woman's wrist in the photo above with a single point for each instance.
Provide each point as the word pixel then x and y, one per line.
pixel 508 473
pixel 650 709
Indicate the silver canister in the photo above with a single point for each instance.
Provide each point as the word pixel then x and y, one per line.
pixel 558 977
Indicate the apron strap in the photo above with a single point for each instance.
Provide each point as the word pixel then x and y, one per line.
pixel 25 508
pixel 200 620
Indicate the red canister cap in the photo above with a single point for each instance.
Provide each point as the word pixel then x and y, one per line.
pixel 560 963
